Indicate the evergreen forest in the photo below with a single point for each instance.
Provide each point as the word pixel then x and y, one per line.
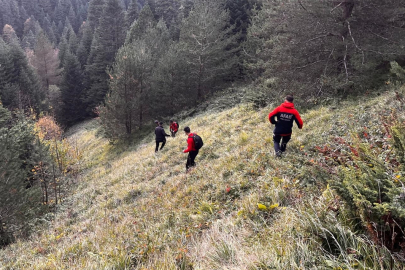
pixel 82 81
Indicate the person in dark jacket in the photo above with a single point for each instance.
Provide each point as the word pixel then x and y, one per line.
pixel 283 117
pixel 160 136
pixel 191 150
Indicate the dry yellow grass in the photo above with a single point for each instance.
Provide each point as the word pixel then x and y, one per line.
pixel 134 209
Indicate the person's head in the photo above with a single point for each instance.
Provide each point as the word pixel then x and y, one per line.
pixel 157 122
pixel 161 124
pixel 289 98
pixel 171 121
pixel 187 130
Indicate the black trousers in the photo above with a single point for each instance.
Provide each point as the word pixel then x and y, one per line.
pixel 173 133
pixel 191 158
pixel 157 145
pixel 283 139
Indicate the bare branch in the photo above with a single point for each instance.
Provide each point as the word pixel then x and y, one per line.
pixel 327 62
pixel 336 7
pixel 299 1
pixel 345 62
pixel 309 64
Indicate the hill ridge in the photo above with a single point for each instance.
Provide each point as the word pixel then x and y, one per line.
pixel 240 208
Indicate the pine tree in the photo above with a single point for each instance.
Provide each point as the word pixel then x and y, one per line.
pixel 205 39
pixel 28 41
pixel 72 90
pixel 168 10
pixel 169 82
pixel 15 139
pixel 132 13
pixel 73 20
pixel 6 68
pixel 55 32
pixel 22 18
pixel 9 34
pixel 325 48
pixel 124 109
pixel 46 61
pixel 94 14
pixel 47 27
pixel 146 20
pixel 21 86
pixel 83 50
pixel 108 38
pixel 63 50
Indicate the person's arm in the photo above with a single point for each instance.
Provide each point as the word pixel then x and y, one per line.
pixel 298 120
pixel 272 116
pixel 164 133
pixel 190 141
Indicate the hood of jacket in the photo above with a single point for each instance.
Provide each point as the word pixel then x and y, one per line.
pixel 288 105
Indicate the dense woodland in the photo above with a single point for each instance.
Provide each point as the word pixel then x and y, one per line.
pixel 131 61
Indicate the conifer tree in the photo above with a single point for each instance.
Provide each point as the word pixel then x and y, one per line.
pixel 108 38
pixel 46 61
pixel 63 50
pixel 21 85
pixel 47 27
pixel 205 38
pixel 73 20
pixel 168 11
pixel 138 29
pixel 72 90
pixel 9 34
pixel 55 32
pixel 23 16
pixel 325 47
pixel 169 82
pixel 28 41
pixel 15 199
pixel 83 50
pixel 93 16
pixel 132 13
pixel 124 109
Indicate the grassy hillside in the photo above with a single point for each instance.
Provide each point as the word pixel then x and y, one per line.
pixel 240 208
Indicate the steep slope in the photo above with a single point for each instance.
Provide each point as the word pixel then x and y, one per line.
pixel 240 208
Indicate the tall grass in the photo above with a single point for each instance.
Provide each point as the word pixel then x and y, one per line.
pixel 239 208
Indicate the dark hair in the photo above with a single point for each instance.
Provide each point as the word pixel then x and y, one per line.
pixel 289 98
pixel 171 121
pixel 160 123
pixel 156 122
pixel 187 129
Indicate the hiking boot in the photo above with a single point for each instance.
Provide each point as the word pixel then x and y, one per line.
pixel 279 153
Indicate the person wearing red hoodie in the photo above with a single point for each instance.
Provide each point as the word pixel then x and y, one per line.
pixel 191 150
pixel 283 117
pixel 174 127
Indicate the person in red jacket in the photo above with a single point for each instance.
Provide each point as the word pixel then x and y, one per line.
pixel 174 127
pixel 283 117
pixel 191 150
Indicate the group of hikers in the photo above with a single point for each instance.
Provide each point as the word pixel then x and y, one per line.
pixel 194 142
pixel 283 117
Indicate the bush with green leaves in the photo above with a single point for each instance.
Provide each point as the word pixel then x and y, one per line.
pixel 370 181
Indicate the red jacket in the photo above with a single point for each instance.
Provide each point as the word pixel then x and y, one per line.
pixel 174 127
pixel 190 144
pixel 286 114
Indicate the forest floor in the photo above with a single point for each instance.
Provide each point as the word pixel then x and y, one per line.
pixel 239 208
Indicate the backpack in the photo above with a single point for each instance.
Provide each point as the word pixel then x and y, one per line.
pixel 198 142
pixel 177 125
